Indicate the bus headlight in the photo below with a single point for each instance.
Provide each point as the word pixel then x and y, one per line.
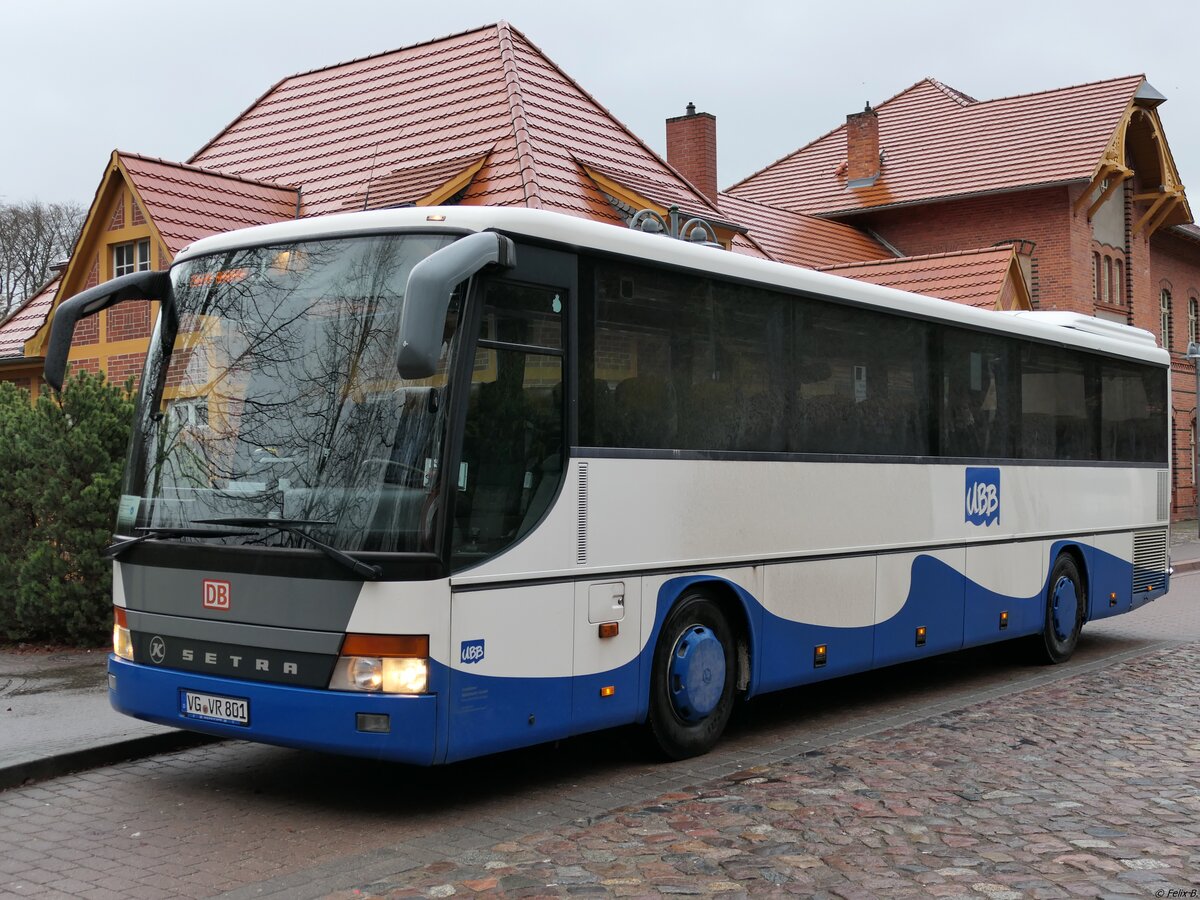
pixel 389 664
pixel 122 641
pixel 405 676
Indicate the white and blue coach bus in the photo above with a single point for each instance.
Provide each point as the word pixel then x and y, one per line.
pixel 425 484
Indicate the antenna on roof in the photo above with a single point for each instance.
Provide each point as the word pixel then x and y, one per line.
pixel 370 176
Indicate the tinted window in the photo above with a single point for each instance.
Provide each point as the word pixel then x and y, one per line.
pixel 862 383
pixel 1058 418
pixel 976 415
pixel 671 360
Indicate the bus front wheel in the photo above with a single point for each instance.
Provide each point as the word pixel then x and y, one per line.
pixel 692 679
pixel 1064 611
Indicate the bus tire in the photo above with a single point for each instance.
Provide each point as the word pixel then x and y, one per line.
pixel 692 679
pixel 1065 601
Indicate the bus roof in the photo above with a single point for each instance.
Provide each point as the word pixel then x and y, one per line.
pixel 1071 329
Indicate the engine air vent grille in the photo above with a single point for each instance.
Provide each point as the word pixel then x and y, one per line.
pixel 1149 560
pixel 581 527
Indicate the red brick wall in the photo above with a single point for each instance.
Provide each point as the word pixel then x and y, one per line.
pixel 85 365
pixel 692 149
pixel 1040 216
pixel 86 332
pixel 129 320
pixel 1174 263
pixel 122 366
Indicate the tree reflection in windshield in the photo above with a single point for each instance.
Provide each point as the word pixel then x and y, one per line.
pixel 290 353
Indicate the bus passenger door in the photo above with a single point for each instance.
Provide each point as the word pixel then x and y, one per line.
pixel 608 638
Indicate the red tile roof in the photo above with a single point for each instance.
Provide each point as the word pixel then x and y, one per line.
pixel 23 324
pixel 974 277
pixel 186 203
pixel 799 239
pixel 431 106
pixel 939 143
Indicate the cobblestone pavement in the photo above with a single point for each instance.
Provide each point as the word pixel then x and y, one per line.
pixel 968 775
pixel 1088 787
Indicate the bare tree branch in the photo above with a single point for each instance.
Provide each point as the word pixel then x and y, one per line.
pixel 33 236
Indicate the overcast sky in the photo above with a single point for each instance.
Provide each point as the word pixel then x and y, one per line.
pixel 79 78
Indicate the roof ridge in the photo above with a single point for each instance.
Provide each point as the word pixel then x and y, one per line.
pixel 526 168
pixel 962 99
pixel 976 251
pixel 1068 87
pixel 445 37
pixel 584 92
pixel 263 96
pixel 203 171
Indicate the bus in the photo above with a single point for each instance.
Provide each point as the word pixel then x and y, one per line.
pixel 425 484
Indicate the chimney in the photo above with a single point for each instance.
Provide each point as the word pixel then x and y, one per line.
pixel 862 148
pixel 692 149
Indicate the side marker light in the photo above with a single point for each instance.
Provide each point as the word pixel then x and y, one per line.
pixel 1112 599
pixel 820 655
pixel 610 629
pixel 1003 620
pixel 608 690
pixel 921 636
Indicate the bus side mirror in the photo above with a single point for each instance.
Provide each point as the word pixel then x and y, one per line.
pixel 427 296
pixel 135 286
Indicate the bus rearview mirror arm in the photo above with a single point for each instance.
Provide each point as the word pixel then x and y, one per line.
pixel 135 286
pixel 427 296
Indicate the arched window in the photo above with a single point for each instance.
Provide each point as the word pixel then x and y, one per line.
pixel 1164 313
pixel 1096 276
pixel 1193 311
pixel 1119 292
pixel 1110 296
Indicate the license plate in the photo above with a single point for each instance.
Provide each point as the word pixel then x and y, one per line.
pixel 232 710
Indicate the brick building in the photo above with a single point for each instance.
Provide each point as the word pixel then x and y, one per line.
pixel 1054 200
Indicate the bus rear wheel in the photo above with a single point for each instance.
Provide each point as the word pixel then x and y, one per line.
pixel 692 679
pixel 1064 611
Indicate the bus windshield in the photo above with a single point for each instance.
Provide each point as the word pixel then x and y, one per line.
pixel 271 392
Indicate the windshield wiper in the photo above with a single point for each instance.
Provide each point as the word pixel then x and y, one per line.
pixel 112 551
pixel 295 527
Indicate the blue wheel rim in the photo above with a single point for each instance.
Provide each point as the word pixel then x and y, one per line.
pixel 697 673
pixel 1065 608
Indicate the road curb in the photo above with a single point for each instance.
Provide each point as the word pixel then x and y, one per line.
pixel 99 755
pixel 1185 565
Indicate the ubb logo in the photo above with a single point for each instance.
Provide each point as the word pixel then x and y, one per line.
pixel 471 652
pixel 983 495
pixel 216 594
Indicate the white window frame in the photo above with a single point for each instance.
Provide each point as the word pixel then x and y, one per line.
pixel 1164 316
pixel 138 259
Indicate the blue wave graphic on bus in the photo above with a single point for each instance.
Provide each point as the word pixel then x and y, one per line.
pixel 467 713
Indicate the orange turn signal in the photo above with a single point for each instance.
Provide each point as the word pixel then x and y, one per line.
pixel 610 629
pixel 119 616
pixel 380 645
pixel 608 690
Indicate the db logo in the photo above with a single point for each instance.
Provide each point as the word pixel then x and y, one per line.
pixel 471 652
pixel 216 594
pixel 983 496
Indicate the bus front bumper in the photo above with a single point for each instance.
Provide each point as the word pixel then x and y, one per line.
pixel 305 718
